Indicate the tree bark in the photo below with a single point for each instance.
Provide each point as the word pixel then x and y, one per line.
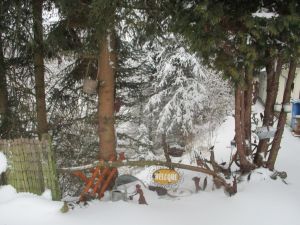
pixel 245 165
pixel 273 76
pixel 165 147
pixel 39 70
pixel 4 107
pixel 106 75
pixel 247 107
pixel 3 82
pixel 282 117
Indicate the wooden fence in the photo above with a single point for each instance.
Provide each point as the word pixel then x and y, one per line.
pixel 31 166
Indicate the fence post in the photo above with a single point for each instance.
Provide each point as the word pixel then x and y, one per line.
pixel 23 172
pixel 49 167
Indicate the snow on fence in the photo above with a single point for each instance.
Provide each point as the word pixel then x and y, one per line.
pixel 31 165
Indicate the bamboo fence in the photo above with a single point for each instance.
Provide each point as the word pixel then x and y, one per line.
pixel 31 166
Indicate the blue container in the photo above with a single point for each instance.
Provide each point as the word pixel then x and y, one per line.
pixel 295 111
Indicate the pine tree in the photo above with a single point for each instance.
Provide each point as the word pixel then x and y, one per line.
pixel 216 29
pixel 39 68
pixel 234 37
pixel 15 68
pixel 183 102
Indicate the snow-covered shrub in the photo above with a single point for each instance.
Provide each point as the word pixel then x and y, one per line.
pixel 188 100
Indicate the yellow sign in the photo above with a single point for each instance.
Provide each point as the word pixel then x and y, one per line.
pixel 166 176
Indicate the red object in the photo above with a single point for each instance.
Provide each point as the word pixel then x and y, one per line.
pixel 100 179
pixel 91 181
pixel 103 179
pixel 107 182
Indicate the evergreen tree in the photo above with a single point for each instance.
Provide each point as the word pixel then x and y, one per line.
pixel 234 37
pixel 39 68
pixel 15 69
pixel 218 31
pixel 182 103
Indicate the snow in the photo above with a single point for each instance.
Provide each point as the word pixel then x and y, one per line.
pixel 263 13
pixel 260 200
pixel 108 39
pixel 187 94
pixel 50 17
pixel 3 163
pixel 47 194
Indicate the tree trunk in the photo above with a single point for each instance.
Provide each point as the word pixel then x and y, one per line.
pixel 3 83
pixel 263 144
pixel 282 117
pixel 165 147
pixel 272 90
pixel 4 107
pixel 275 86
pixel 247 107
pixel 245 165
pixel 38 62
pixel 106 75
pixel 242 118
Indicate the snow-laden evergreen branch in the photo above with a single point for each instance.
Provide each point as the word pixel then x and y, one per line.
pixel 186 93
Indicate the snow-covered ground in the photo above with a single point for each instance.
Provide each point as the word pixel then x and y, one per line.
pixel 3 163
pixel 260 201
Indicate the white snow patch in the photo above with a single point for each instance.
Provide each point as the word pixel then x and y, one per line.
pixel 47 194
pixel 50 17
pixel 7 193
pixel 3 163
pixel 264 13
pixel 108 39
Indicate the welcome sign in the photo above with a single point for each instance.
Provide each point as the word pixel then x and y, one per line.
pixel 166 177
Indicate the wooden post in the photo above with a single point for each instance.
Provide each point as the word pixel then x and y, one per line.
pixel 143 163
pixel 49 167
pixel 24 166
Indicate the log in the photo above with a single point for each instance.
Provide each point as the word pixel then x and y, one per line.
pixel 143 163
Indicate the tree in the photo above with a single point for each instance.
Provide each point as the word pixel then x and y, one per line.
pixel 187 98
pixel 101 19
pixel 106 74
pixel 218 31
pixel 99 26
pixel 235 38
pixel 15 68
pixel 39 68
pixel 273 75
pixel 282 116
pixel 283 38
pixel 4 107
